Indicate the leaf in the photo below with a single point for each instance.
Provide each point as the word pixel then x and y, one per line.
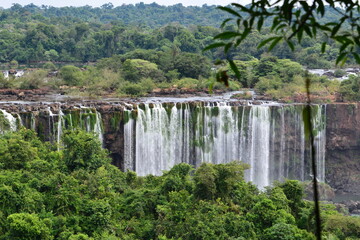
pixel 246 25
pixel 314 31
pixel 335 30
pixel 321 8
pixel 357 57
pixel 299 34
pixel 281 26
pixel 260 23
pixel 242 8
pixel 234 68
pixel 214 45
pixel 323 47
pixel 251 22
pixel 273 44
pixel 344 46
pixel 222 76
pixel 276 22
pixel 344 61
pixel 227 35
pixel 264 42
pixel 224 22
pixel 340 57
pixel 227 47
pixel 357 41
pixel 305 5
pixel 229 10
pixel 225 78
pixel 291 45
pixel 245 33
pixel 307 30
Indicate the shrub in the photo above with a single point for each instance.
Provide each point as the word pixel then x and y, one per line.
pixel 6 82
pixel 49 66
pixel 268 83
pixel 16 152
pixel 339 73
pixel 34 80
pixel 147 84
pixel 133 89
pixel 27 226
pixel 190 83
pixel 83 151
pixel 283 231
pixel 71 75
pixel 345 227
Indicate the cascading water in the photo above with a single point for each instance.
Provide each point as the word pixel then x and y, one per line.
pixel 56 122
pixel 320 141
pixel 156 136
pixel 164 138
pixel 8 122
pixel 269 138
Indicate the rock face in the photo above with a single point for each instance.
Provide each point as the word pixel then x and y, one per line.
pixel 343 147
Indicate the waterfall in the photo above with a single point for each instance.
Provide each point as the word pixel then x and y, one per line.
pixel 160 138
pixel 260 142
pixel 84 118
pixel 129 155
pixel 57 120
pixel 319 122
pixel 269 138
pixel 156 136
pixel 8 122
pixel 98 129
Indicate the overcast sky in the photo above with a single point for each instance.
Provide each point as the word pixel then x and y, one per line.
pixel 98 3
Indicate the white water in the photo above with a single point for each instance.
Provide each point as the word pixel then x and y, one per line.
pixel 269 138
pixel 58 123
pixel 10 122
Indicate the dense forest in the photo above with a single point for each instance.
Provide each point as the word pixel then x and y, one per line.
pixel 134 49
pixel 30 34
pixel 75 193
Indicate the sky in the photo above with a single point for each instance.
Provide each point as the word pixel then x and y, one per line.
pixel 98 3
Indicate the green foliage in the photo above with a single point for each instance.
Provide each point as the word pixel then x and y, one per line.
pixel 291 22
pixel 192 65
pixel 187 83
pixel 50 66
pixel 135 69
pixel 343 227
pixel 71 75
pixel 83 150
pixel 16 150
pixel 268 83
pixel 158 49
pixel 7 82
pixel 205 186
pixel 177 179
pixel 33 80
pixel 283 231
pixel 350 88
pixel 74 193
pixel 294 192
pixel 339 73
pixel 27 226
pixel 14 64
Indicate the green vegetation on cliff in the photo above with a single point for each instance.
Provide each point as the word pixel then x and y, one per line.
pixel 75 193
